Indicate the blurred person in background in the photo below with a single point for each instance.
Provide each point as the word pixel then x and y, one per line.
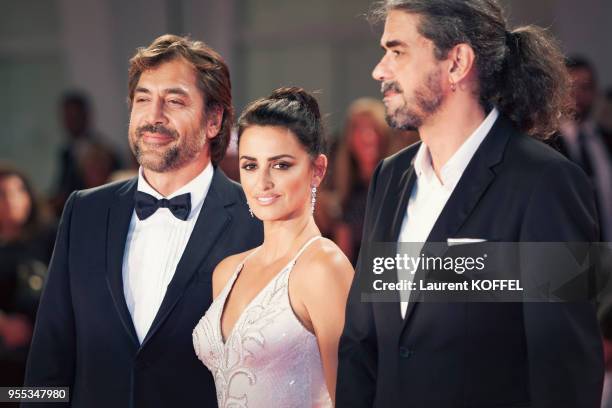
pixel 96 165
pixel 75 116
pixel 605 321
pixel 605 120
pixel 364 145
pixel 580 139
pixel 26 243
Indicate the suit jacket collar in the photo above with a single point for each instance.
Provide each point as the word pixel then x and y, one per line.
pixel 404 189
pixel 212 220
pixel 118 223
pixel 473 183
pixel 454 168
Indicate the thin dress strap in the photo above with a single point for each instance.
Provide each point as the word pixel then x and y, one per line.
pixel 237 271
pixel 241 264
pixel 290 263
pixel 303 248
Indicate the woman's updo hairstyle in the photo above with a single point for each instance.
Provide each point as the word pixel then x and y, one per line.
pixel 292 108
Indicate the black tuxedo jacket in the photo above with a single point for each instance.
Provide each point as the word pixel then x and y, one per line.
pixel 84 337
pixel 515 189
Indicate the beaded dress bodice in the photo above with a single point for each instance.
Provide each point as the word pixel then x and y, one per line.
pixel 269 358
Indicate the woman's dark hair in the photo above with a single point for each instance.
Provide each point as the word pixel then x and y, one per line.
pixel 292 108
pixel 521 71
pixel 35 218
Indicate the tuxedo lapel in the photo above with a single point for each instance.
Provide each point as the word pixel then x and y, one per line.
pixel 118 223
pixel 212 220
pixel 472 185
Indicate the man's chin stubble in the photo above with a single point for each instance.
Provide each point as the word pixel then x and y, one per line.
pixel 403 121
pixel 159 162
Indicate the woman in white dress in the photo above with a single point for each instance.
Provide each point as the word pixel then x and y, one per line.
pixel 270 337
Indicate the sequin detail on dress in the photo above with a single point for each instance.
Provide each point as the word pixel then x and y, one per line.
pixel 268 359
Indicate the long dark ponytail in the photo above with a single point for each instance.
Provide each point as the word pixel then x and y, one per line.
pixel 535 87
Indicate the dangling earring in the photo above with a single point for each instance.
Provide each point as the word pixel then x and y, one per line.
pixel 250 211
pixel 313 194
pixel 453 86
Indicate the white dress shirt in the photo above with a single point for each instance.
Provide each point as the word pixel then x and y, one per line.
pixel 430 194
pixel 153 249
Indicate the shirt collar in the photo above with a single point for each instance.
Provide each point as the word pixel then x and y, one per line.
pixel 453 169
pixel 198 188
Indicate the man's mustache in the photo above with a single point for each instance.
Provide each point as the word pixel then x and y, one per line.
pixel 390 86
pixel 159 128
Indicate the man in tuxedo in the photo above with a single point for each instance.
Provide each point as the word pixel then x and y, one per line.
pixel 131 270
pixel 479 96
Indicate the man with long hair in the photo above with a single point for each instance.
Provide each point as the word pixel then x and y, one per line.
pixel 480 95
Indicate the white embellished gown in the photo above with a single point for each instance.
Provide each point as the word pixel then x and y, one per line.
pixel 269 360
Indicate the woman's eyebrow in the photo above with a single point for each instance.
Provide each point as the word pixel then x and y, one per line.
pixel 280 156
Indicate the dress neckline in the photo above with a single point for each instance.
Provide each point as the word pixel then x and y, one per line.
pixel 230 286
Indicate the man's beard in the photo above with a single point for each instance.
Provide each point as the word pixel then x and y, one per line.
pixel 426 100
pixel 163 159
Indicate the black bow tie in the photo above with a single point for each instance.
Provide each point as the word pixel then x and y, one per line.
pixel 146 205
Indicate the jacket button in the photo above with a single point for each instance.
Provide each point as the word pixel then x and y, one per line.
pixel 405 352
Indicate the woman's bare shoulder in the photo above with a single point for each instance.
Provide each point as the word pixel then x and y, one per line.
pixel 225 269
pixel 323 264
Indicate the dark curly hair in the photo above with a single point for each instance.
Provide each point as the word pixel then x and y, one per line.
pixel 521 71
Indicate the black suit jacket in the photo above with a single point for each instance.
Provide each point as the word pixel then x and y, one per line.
pixel 515 189
pixel 84 336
